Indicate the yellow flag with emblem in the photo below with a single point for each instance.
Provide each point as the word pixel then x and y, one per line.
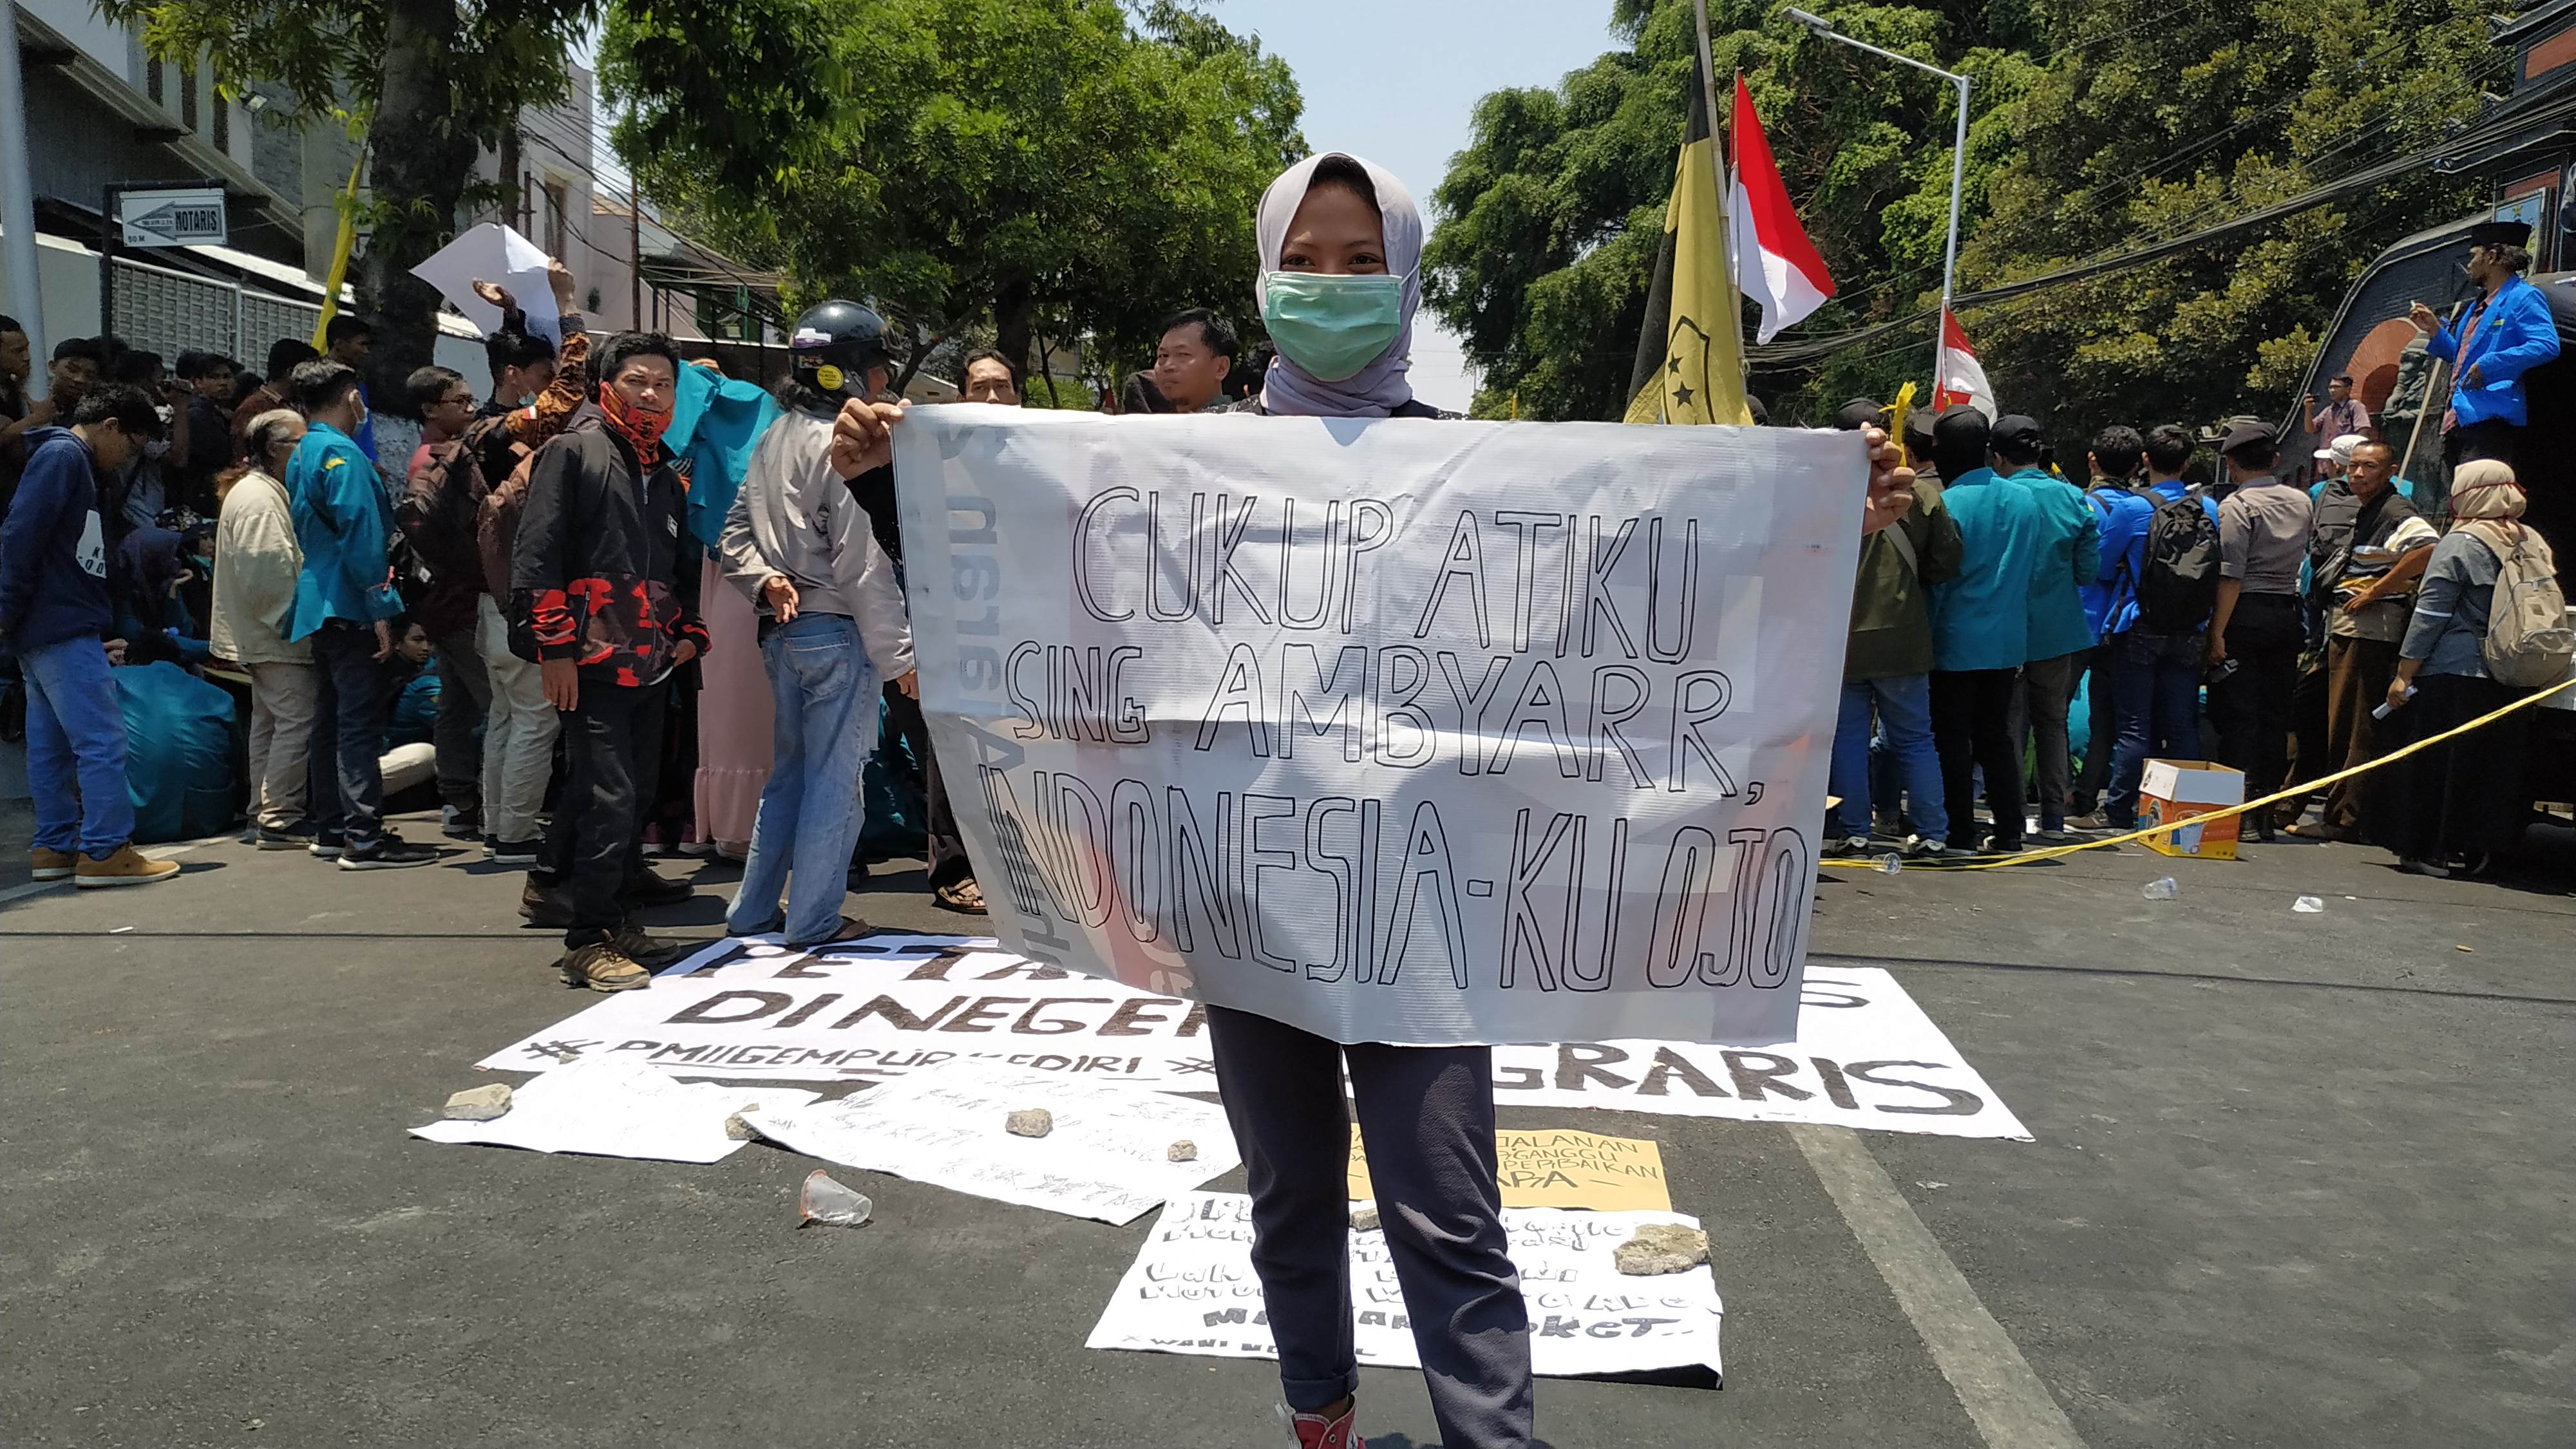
pixel 1690 356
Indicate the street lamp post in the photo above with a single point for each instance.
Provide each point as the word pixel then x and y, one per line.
pixel 1958 165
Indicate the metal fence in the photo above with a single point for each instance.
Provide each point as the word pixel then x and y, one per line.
pixel 170 312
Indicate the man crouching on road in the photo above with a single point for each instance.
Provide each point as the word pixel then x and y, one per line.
pixel 604 600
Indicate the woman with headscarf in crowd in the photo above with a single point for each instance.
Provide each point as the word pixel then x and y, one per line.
pixel 1341 244
pixel 2461 799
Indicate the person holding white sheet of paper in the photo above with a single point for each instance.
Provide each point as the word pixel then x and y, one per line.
pixel 1341 241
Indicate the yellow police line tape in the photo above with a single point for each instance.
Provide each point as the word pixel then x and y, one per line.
pixel 2303 788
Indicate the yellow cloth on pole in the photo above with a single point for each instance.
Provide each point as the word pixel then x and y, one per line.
pixel 1690 355
pixel 340 247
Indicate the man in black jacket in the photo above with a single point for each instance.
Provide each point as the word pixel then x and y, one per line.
pixel 604 596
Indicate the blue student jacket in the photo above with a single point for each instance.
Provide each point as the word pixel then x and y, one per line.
pixel 1981 617
pixel 2069 557
pixel 2515 336
pixel 53 554
pixel 2111 599
pixel 343 522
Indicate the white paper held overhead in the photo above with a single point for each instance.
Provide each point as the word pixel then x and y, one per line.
pixel 494 253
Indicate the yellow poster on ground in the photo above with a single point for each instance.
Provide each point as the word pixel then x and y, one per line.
pixel 1553 1168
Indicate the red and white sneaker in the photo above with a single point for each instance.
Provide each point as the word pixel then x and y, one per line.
pixel 1314 1431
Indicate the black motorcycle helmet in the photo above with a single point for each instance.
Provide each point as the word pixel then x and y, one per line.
pixel 834 345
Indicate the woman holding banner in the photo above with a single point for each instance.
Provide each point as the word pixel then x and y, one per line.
pixel 1341 244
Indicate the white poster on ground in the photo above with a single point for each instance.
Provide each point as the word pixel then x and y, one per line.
pixel 1106 1154
pixel 1192 1290
pixel 1866 1055
pixel 608 1107
pixel 1403 730
pixel 876 1009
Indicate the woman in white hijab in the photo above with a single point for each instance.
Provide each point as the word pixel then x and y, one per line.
pixel 1341 242
pixel 1341 246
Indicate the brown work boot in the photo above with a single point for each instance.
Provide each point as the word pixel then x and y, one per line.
pixel 602 967
pixel 545 905
pixel 128 866
pixel 650 952
pixel 52 864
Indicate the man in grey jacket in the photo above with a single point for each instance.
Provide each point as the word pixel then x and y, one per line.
pixel 832 625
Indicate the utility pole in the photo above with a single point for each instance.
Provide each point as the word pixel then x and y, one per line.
pixel 635 251
pixel 1958 171
pixel 18 203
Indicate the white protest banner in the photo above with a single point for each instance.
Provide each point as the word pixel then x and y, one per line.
pixel 1107 1154
pixel 1192 1290
pixel 753 1008
pixel 611 1108
pixel 494 253
pixel 1403 730
pixel 1866 1056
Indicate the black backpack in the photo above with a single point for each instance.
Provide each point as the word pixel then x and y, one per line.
pixel 2178 580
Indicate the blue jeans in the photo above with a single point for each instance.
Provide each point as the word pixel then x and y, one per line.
pixel 2155 694
pixel 825 690
pixel 349 717
pixel 1905 713
pixel 76 749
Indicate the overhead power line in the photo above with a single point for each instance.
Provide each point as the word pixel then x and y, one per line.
pixel 1816 349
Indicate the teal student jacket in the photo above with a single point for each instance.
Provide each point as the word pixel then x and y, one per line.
pixel 1981 617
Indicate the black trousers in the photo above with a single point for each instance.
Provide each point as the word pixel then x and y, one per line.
pixel 2463 797
pixel 596 839
pixel 1972 730
pixel 2255 708
pixel 1427 1116
pixel 2103 735
pixel 947 848
pixel 349 710
pixel 2495 438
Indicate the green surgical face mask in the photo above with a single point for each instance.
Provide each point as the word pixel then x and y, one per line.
pixel 1332 326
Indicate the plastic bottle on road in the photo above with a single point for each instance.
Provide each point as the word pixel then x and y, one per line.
pixel 2162 890
pixel 1888 865
pixel 831 1204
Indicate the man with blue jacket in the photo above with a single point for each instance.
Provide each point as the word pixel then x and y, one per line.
pixel 54 614
pixel 344 602
pixel 2068 557
pixel 1981 630
pixel 2508 333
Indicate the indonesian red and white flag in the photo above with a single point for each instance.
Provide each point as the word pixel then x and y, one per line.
pixel 1775 264
pixel 1963 378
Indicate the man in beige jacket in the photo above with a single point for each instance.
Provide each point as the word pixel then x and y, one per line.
pixel 256 563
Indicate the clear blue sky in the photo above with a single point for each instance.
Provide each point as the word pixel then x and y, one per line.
pixel 1397 81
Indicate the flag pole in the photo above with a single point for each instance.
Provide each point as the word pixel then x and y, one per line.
pixel 1950 256
pixel 1725 194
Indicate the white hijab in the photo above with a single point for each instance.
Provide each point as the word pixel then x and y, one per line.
pixel 1379 388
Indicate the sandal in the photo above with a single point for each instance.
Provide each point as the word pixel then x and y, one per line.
pixel 964 897
pixel 852 928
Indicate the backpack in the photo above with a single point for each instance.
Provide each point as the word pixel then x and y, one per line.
pixel 2178 577
pixel 2528 643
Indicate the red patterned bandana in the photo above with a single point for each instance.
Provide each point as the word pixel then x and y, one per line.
pixel 642 430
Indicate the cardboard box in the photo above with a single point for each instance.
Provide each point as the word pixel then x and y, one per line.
pixel 2180 789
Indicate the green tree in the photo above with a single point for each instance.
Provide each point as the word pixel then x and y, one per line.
pixel 2096 126
pixel 1049 166
pixel 427 83
pixel 1551 215
pixel 2155 121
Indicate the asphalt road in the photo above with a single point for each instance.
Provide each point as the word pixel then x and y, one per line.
pixel 2299 1180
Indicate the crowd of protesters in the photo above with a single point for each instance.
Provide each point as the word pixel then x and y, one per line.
pixel 2294 632
pixel 525 611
